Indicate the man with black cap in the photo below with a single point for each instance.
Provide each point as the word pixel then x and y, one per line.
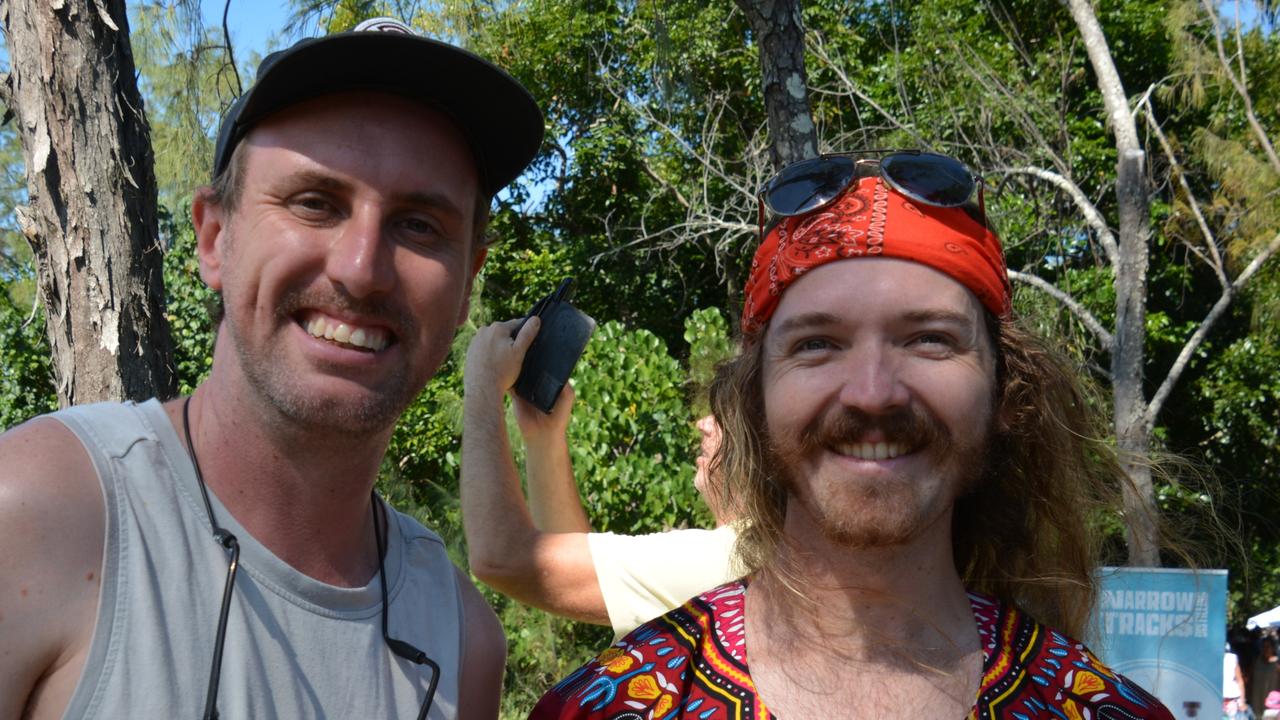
pixel 225 552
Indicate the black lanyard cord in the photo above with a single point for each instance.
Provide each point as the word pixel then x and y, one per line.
pixel 232 546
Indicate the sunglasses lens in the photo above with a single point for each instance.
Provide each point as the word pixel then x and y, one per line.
pixel 933 179
pixel 808 184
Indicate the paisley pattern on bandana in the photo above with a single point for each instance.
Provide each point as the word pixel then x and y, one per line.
pixel 692 663
pixel 873 220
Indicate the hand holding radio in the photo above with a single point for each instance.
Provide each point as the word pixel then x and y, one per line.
pixel 562 337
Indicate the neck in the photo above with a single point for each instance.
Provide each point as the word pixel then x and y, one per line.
pixel 857 602
pixel 304 495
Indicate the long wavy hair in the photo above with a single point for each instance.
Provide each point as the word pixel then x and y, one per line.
pixel 1028 533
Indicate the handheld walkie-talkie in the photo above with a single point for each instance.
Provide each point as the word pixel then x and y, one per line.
pixel 562 338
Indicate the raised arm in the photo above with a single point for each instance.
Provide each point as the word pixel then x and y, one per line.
pixel 551 570
pixel 554 500
pixel 52 525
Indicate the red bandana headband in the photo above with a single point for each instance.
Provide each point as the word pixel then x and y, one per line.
pixel 872 219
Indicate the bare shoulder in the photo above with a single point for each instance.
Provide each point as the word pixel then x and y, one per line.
pixel 484 655
pixel 52 525
pixel 46 477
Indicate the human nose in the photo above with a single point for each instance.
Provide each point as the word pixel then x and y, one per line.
pixel 360 260
pixel 709 429
pixel 871 380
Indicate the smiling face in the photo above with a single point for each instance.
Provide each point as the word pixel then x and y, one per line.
pixel 346 264
pixel 878 380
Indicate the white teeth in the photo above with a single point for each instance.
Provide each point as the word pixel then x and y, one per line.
pixel 371 338
pixel 872 451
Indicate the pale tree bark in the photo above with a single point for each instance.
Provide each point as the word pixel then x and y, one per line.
pixel 91 218
pixel 779 33
pixel 1133 196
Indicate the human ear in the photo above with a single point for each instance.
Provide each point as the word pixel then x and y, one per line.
pixel 477 262
pixel 208 217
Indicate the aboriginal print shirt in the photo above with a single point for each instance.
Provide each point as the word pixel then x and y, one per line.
pixel 692 663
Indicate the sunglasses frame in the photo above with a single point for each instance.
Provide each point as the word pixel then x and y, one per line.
pixel 762 196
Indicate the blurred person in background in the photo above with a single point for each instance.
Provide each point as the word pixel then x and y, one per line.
pixel 541 549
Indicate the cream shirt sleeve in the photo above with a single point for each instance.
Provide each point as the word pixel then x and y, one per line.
pixel 644 576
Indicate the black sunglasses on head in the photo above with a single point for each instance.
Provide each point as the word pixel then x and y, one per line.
pixel 812 184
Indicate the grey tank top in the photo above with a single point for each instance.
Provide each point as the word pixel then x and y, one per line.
pixel 295 647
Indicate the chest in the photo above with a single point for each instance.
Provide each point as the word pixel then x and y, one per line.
pixel 794 688
pixel 293 646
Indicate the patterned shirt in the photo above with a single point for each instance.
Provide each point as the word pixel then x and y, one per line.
pixel 692 663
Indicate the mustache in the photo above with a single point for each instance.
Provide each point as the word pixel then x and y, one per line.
pixel 909 426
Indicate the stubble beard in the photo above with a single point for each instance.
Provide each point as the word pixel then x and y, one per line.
pixel 856 513
pixel 372 413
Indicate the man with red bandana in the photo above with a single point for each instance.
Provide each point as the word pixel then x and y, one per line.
pixel 918 478
pixel 224 553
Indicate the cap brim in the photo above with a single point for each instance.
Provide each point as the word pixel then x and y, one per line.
pixel 495 113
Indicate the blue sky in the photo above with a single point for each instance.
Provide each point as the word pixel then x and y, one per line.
pixel 253 23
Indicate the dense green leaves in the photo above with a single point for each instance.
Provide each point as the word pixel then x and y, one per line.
pixel 631 438
pixel 190 304
pixel 26 381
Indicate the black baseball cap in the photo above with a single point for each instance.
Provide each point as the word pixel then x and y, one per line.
pixel 494 112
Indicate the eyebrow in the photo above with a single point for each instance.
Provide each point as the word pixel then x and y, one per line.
pixel 950 317
pixel 324 181
pixel 808 320
pixel 438 201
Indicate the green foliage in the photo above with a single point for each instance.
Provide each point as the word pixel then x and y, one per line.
pixel 709 345
pixel 541 650
pixel 1244 417
pixel 189 303
pixel 612 79
pixel 632 439
pixel 26 385
pixel 186 80
pixel 15 253
pixel 518 274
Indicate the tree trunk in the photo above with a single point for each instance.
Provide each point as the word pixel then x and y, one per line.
pixel 91 218
pixel 1133 423
pixel 779 33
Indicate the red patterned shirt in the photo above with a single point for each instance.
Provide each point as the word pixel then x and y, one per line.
pixel 692 663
